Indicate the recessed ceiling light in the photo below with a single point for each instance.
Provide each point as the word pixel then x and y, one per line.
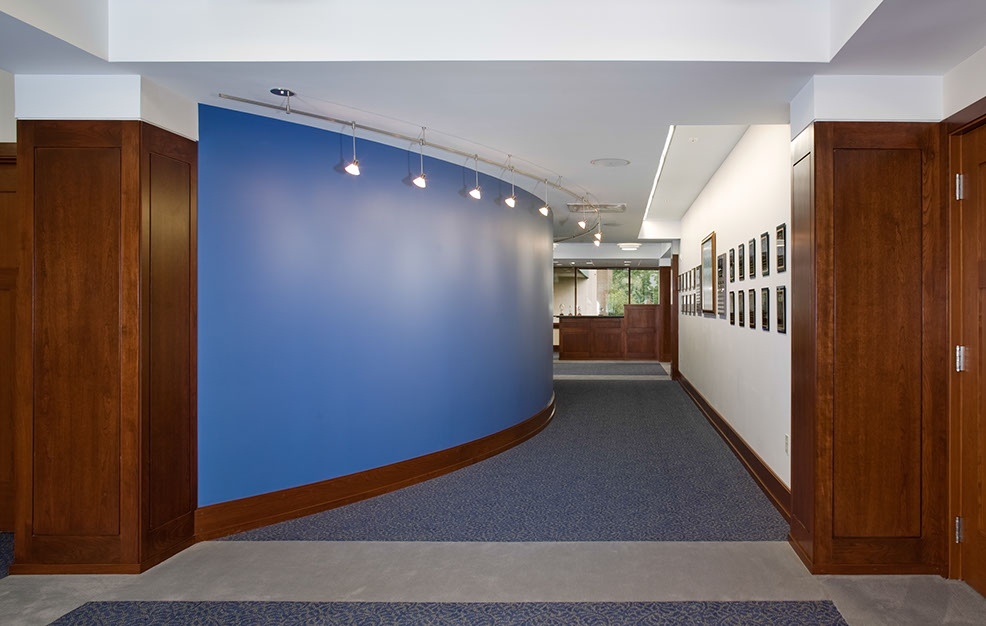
pixel 610 162
pixel 573 262
pixel 628 247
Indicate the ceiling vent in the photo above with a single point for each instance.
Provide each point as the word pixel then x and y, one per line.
pixel 605 207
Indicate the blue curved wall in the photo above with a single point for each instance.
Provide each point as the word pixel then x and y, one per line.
pixel 346 323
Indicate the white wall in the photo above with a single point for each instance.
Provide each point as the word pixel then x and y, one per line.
pixel 8 124
pixel 744 373
pixel 100 97
pixel 867 99
pixel 965 83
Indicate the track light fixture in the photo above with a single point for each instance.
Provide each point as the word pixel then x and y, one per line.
pixel 353 167
pixel 599 228
pixel 545 209
pixel 512 200
pixel 420 181
pixel 285 93
pixel 476 192
pixel 596 243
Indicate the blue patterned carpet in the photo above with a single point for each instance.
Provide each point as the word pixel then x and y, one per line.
pixel 621 461
pixel 6 553
pixel 568 614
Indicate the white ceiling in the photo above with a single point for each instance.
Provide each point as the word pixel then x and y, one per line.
pixel 557 114
pixel 914 38
pixel 695 154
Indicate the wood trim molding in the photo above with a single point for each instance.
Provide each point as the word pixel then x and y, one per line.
pixel 227 518
pixel 776 491
pixel 967 119
pixel 8 153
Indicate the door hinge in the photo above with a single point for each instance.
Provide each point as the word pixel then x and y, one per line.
pixel 959 358
pixel 959 187
pixel 958 529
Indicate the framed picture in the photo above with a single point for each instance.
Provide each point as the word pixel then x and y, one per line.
pixel 742 254
pixel 708 276
pixel 753 258
pixel 765 254
pixel 753 308
pixel 732 308
pixel 782 247
pixel 721 284
pixel 782 309
pixel 732 265
pixel 765 308
pixel 741 307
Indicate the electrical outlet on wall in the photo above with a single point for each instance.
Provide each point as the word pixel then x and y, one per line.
pixel 787 444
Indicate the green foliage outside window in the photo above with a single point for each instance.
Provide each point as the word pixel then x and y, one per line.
pixel 644 288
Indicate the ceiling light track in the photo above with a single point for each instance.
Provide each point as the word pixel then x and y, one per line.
pixel 414 140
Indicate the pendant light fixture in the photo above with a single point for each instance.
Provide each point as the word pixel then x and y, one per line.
pixel 420 181
pixel 512 200
pixel 353 167
pixel 582 222
pixel 545 209
pixel 476 192
pixel 599 228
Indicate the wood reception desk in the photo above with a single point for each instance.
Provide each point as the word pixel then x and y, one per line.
pixel 636 335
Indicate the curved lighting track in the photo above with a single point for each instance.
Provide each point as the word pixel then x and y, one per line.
pixel 416 140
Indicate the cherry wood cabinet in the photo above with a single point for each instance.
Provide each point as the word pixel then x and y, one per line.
pixel 640 334
pixel 105 417
pixel 869 348
pixel 9 262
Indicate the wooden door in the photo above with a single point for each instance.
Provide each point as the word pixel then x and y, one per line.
pixel 9 230
pixel 970 434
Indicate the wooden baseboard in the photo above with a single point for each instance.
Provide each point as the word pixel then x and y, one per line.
pixel 778 494
pixel 45 569
pixel 227 518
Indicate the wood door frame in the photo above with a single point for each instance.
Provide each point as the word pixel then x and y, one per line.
pixel 953 128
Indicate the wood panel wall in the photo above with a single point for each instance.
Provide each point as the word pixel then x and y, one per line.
pixel 664 315
pixel 869 351
pixel 9 262
pixel 105 404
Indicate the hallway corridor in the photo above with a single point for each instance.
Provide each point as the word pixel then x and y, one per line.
pixel 626 509
pixel 620 461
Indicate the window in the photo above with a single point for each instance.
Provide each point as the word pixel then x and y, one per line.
pixel 645 287
pixel 602 292
pixel 590 291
